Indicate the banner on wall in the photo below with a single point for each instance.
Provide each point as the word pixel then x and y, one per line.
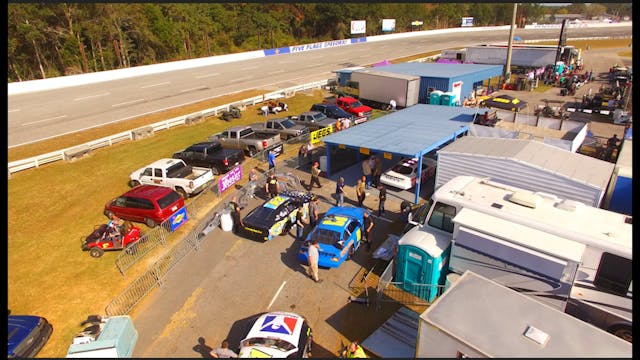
pixel 388 25
pixel 467 21
pixel 358 27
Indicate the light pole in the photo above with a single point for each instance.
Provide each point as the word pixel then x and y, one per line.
pixel 507 67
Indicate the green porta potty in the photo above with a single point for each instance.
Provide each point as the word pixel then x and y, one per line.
pixel 434 97
pixel 422 263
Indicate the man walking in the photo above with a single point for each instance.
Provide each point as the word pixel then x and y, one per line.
pixel 368 225
pixel 300 221
pixel 366 171
pixel 313 255
pixel 235 214
pixel 382 196
pixel 340 192
pixel 271 186
pixel 313 212
pixel 360 190
pixel 315 176
pixel 376 171
pixel 272 161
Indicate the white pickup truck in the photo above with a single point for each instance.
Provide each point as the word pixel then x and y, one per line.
pixel 174 174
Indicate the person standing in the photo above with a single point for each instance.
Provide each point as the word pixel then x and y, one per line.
pixel 272 161
pixel 253 182
pixel 354 351
pixel 392 105
pixel 340 192
pixel 271 186
pixel 312 256
pixel 313 211
pixel 235 214
pixel 382 197
pixel 368 225
pixel 366 171
pixel 377 171
pixel 360 190
pixel 302 154
pixel 315 175
pixel 612 143
pixel 300 221
pixel 223 351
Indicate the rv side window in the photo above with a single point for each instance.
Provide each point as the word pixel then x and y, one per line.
pixel 614 274
pixel 442 216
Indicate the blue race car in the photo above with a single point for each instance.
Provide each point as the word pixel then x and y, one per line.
pixel 338 233
pixel 277 215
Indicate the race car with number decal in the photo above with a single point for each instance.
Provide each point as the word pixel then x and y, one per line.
pixel 278 335
pixel 338 233
pixel 277 215
pixel 404 173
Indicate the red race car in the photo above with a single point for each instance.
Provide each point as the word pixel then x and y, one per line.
pixel 101 239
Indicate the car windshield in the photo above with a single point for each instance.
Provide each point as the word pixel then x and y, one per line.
pixel 166 201
pixel 356 104
pixel 266 213
pixel 279 344
pixel 325 236
pixel 288 123
pixel 402 169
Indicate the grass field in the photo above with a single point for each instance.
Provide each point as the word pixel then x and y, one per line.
pixel 52 207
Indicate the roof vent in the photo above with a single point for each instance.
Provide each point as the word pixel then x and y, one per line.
pixel 570 205
pixel 525 198
pixel 536 335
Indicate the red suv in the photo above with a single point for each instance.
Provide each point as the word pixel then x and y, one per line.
pixel 353 106
pixel 149 204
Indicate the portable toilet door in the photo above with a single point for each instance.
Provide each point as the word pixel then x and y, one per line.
pixel 422 264
pixel 448 99
pixel 434 97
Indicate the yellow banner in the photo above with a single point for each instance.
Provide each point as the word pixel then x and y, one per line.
pixel 320 133
pixel 364 151
pixel 388 156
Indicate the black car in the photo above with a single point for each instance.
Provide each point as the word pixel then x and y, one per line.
pixel 277 215
pixel 212 155
pixel 332 111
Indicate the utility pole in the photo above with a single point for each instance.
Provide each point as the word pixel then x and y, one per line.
pixel 507 68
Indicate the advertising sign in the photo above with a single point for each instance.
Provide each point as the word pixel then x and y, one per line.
pixel 467 21
pixel 358 27
pixel 230 178
pixel 320 133
pixel 178 218
pixel 388 25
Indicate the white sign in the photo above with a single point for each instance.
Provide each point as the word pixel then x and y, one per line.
pixel 388 24
pixel 358 27
pixel 457 90
pixel 467 21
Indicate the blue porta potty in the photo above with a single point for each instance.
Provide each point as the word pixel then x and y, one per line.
pixel 434 97
pixel 422 263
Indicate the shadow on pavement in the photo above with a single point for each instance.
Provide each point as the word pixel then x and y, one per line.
pixel 202 348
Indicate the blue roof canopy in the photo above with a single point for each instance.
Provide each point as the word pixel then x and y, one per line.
pixel 411 132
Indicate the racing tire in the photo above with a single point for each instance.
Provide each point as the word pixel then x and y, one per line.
pixel 134 183
pixel 150 223
pixel 96 252
pixel 622 331
pixel 182 193
pixel 252 151
pixel 215 171
pixel 108 214
pixel 351 252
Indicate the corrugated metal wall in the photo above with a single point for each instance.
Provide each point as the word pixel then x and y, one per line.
pixel 442 84
pixel 517 174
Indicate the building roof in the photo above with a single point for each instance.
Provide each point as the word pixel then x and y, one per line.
pixel 578 167
pixel 495 322
pixel 439 70
pixel 408 132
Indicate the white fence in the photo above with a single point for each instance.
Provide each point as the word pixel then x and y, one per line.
pixel 71 152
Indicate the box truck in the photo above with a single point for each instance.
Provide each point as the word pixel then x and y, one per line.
pixel 381 87
pixel 569 255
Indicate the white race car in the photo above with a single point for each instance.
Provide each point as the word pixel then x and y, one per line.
pixel 278 335
pixel 403 174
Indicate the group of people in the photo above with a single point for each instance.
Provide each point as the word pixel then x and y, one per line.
pixel 372 170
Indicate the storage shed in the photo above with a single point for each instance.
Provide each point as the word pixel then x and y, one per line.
pixel 457 78
pixel 477 317
pixel 527 164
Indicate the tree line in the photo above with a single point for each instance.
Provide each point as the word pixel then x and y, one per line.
pixel 56 39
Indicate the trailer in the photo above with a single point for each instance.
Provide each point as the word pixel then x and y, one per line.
pixel 497 55
pixel 620 191
pixel 501 322
pixel 381 87
pixel 527 164
pixel 574 257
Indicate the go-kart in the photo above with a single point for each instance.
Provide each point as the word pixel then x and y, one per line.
pixel 101 240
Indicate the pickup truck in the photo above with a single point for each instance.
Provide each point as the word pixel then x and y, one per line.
pixel 313 119
pixel 211 154
pixel 248 140
pixel 174 174
pixel 287 128
pixel 354 106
